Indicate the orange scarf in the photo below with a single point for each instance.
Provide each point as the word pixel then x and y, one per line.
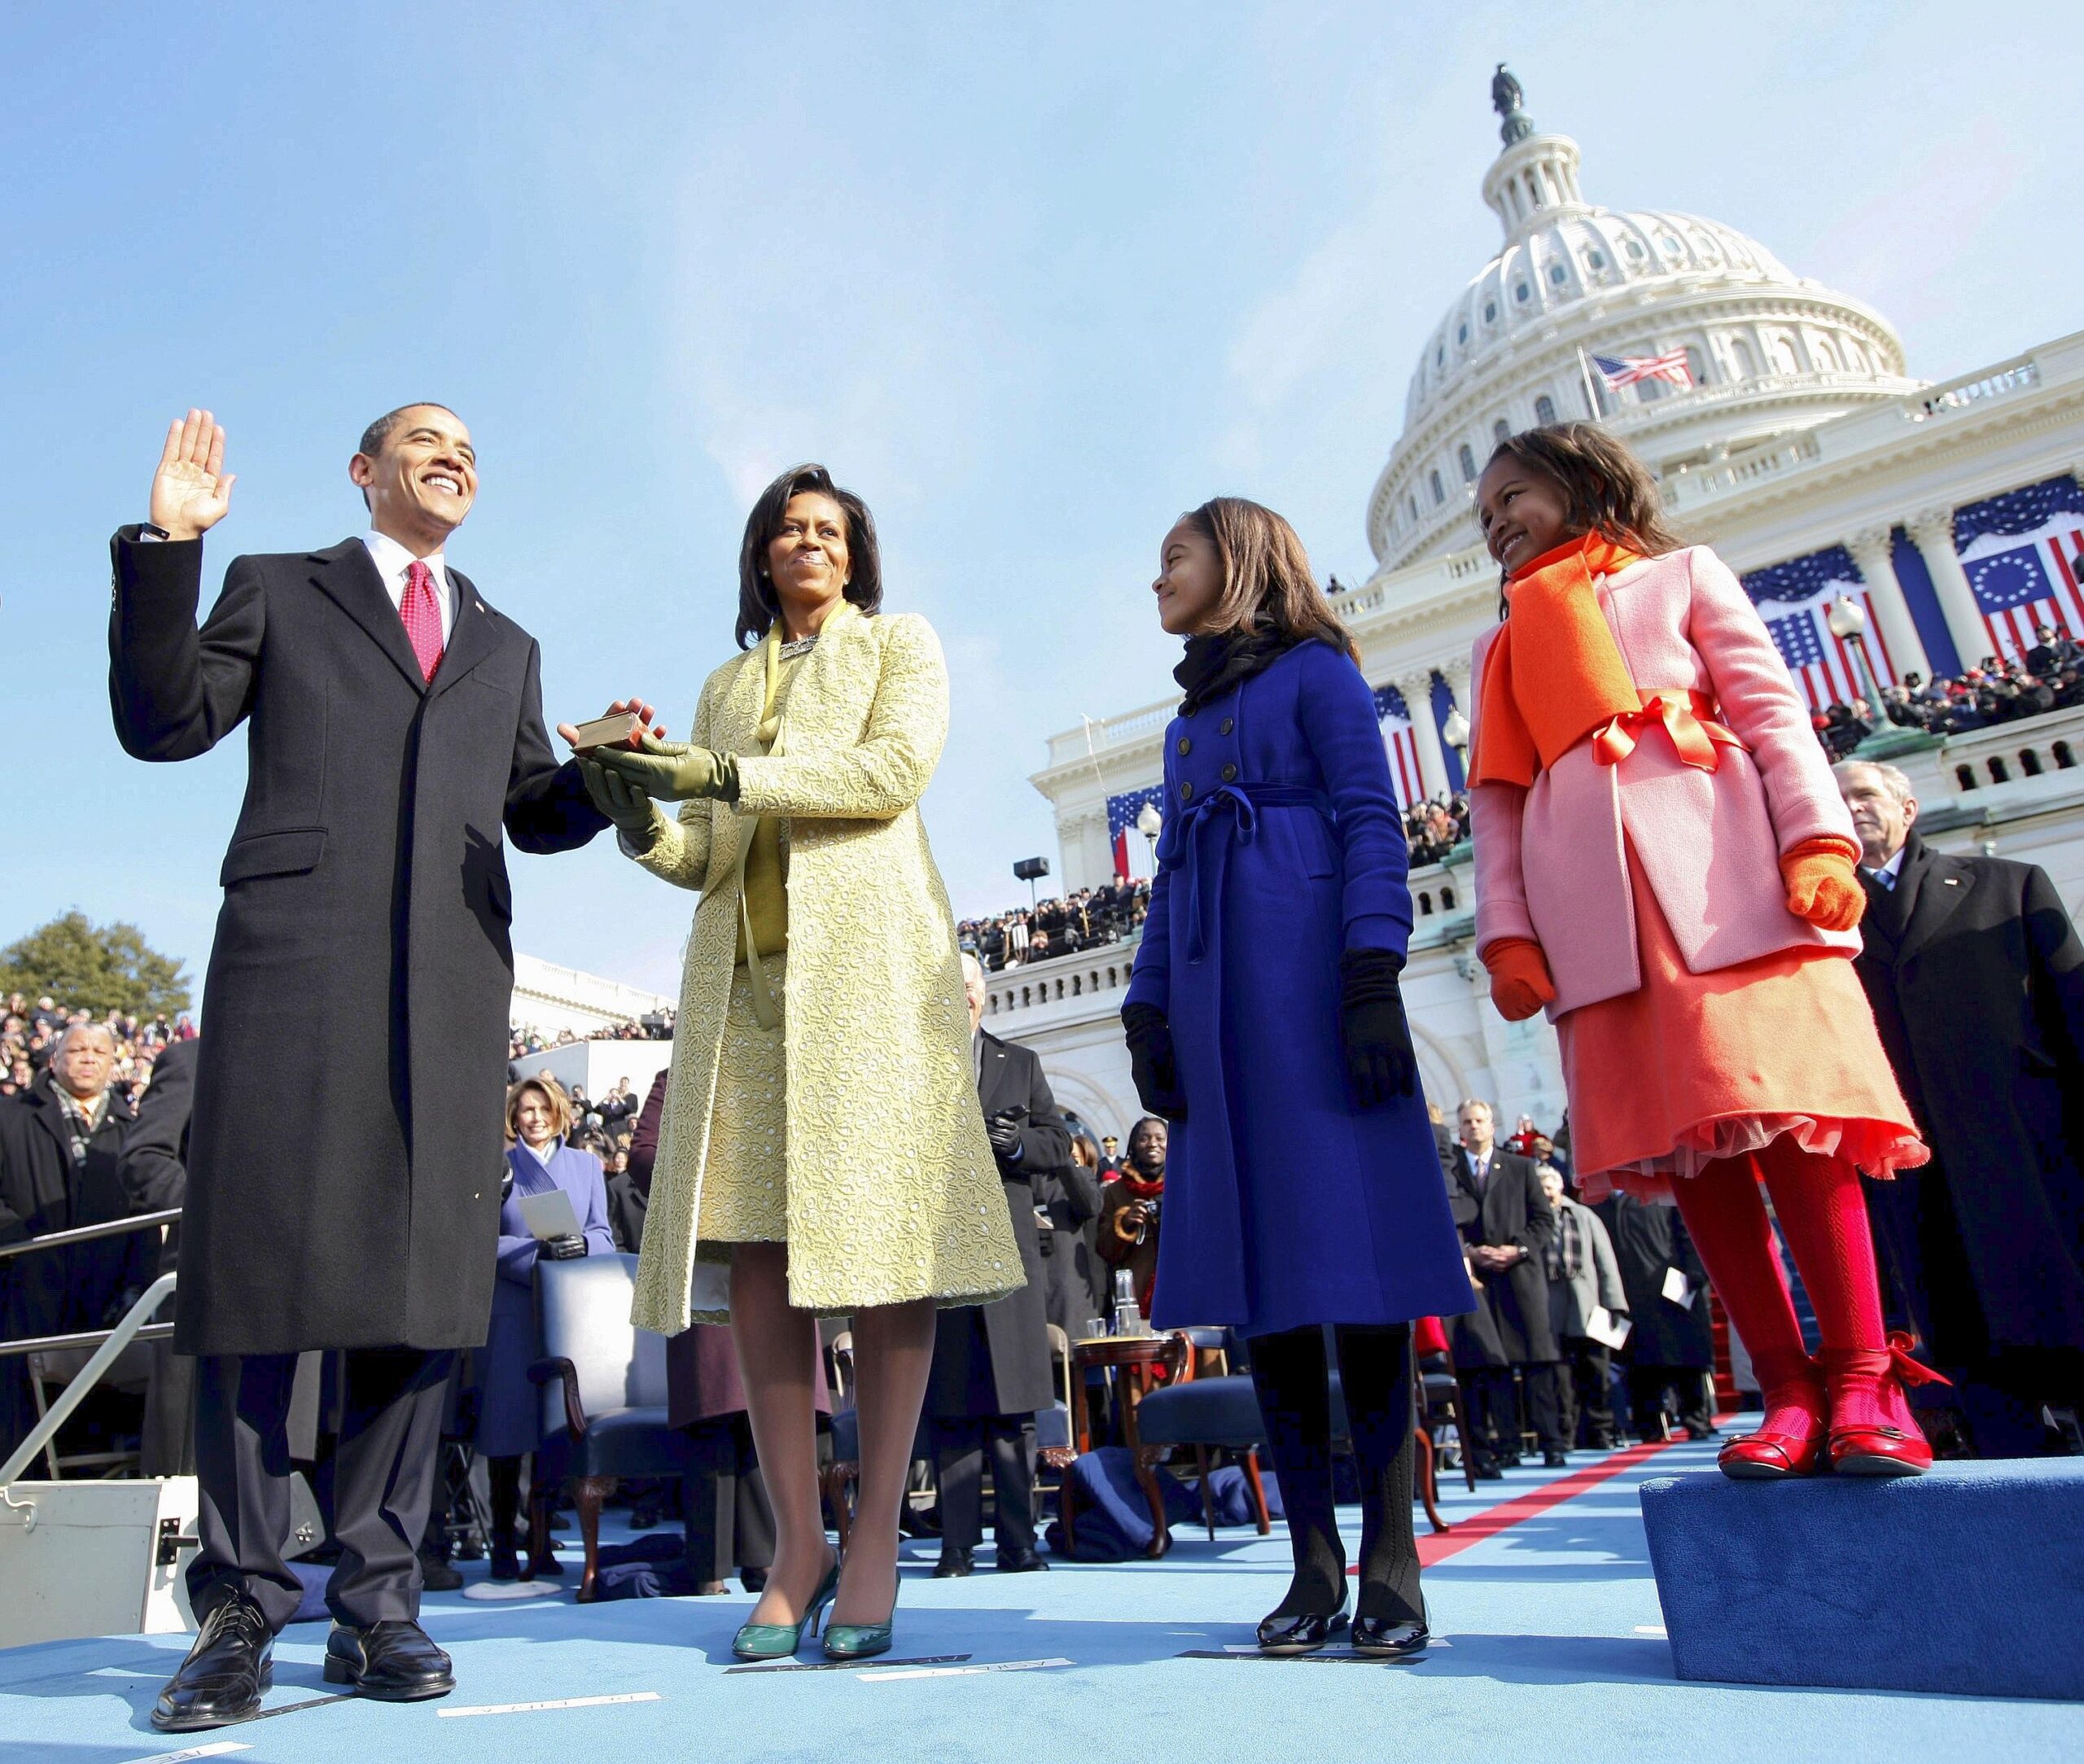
pixel 1573 678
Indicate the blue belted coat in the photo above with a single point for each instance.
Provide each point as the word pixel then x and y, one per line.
pixel 1283 847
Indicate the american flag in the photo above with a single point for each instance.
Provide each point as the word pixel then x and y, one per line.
pixel 1122 812
pixel 2020 551
pixel 1670 366
pixel 1795 600
pixel 1391 712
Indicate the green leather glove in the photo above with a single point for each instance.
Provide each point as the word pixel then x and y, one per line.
pixel 626 806
pixel 672 771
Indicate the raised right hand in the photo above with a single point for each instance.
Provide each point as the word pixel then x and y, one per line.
pixel 191 491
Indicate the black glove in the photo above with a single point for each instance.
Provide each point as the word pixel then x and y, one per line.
pixel 1003 1131
pixel 1152 1065
pixel 1380 1063
pixel 568 1248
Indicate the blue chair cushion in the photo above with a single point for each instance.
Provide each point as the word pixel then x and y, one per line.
pixel 846 1436
pixel 1053 1427
pixel 1215 1411
pixel 633 1442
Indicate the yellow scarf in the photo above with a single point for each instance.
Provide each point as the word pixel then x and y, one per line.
pixel 1570 677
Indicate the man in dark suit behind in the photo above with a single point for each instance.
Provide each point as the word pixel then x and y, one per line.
pixel 1506 1223
pixel 154 1176
pixel 1977 979
pixel 348 1093
pixel 991 1370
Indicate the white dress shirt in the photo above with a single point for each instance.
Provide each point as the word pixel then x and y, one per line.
pixel 1886 875
pixel 392 561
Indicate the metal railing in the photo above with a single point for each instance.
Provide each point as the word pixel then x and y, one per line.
pixel 108 1344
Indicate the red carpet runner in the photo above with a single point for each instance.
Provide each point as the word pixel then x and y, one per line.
pixel 1437 1546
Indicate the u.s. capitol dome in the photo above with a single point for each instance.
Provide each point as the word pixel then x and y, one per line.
pixel 1769 351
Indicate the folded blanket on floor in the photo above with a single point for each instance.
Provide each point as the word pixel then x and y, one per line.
pixel 1113 1521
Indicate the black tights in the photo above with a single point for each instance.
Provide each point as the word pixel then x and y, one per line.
pixel 1291 1376
pixel 505 1475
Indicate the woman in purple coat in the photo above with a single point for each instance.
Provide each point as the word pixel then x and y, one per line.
pixel 510 1409
pixel 1264 1021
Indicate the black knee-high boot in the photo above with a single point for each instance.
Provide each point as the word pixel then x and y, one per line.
pixel 1290 1375
pixel 1375 1374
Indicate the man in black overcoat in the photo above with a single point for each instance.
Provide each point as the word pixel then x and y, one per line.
pixel 1506 1223
pixel 154 1172
pixel 1977 979
pixel 1670 1346
pixel 349 1092
pixel 60 1142
pixel 991 1369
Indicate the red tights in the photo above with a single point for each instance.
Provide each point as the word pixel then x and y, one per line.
pixel 1824 1214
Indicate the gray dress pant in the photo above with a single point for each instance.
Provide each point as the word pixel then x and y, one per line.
pixel 382 1482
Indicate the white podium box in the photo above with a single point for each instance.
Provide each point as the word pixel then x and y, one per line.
pixel 95 1559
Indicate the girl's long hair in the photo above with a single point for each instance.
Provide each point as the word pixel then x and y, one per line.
pixel 1606 488
pixel 1266 580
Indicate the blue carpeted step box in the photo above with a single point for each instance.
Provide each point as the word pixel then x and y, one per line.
pixel 1968 1580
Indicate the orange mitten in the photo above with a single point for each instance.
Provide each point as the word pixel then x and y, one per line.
pixel 1520 980
pixel 1822 886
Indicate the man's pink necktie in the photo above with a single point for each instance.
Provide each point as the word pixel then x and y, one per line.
pixel 421 613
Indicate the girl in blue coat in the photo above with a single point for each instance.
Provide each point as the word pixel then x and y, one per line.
pixel 510 1411
pixel 1263 1020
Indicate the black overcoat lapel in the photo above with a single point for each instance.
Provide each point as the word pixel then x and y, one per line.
pixel 472 635
pixel 1943 887
pixel 348 576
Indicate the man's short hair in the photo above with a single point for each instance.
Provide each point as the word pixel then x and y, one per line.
pixel 373 437
pixel 1893 780
pixel 81 1025
pixel 1476 1102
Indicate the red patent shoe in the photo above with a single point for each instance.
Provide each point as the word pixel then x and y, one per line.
pixel 1873 1432
pixel 1792 1441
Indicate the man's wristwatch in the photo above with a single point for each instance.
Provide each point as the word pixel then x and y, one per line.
pixel 152 534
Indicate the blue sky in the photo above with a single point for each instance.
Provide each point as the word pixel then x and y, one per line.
pixel 1032 279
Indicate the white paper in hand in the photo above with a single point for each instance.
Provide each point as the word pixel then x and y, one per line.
pixel 1607 1329
pixel 1677 1287
pixel 549 1214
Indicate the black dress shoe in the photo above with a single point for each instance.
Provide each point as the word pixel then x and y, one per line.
pixel 1383 1638
pixel 438 1576
pixel 226 1670
pixel 754 1580
pixel 392 1662
pixel 1487 1470
pixel 1022 1562
pixel 1303 1634
pixel 506 1564
pixel 1555 1461
pixel 954 1564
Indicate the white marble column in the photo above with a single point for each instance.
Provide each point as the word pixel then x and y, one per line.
pixel 1871 551
pixel 1931 531
pixel 1417 690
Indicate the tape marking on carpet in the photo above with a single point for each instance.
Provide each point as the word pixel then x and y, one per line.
pixel 560 1702
pixel 850 1665
pixel 1324 1657
pixel 216 1749
pixel 959 1672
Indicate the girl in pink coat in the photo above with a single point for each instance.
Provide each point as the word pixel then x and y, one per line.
pixel 1663 861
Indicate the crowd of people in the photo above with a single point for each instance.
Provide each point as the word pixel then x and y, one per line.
pixel 525 1038
pixel 1435 827
pixel 1088 918
pixel 2050 676
pixel 29 1029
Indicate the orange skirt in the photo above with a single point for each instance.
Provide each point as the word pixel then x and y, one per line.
pixel 1692 1067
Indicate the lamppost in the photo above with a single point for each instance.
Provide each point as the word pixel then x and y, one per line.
pixel 1847 619
pixel 1454 732
pixel 1150 823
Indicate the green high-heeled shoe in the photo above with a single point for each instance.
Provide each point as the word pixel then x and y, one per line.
pixel 778 1641
pixel 862 1641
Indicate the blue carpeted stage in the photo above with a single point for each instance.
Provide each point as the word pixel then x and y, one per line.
pixel 1553 1650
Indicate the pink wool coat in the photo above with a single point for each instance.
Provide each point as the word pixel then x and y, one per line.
pixel 1549 859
